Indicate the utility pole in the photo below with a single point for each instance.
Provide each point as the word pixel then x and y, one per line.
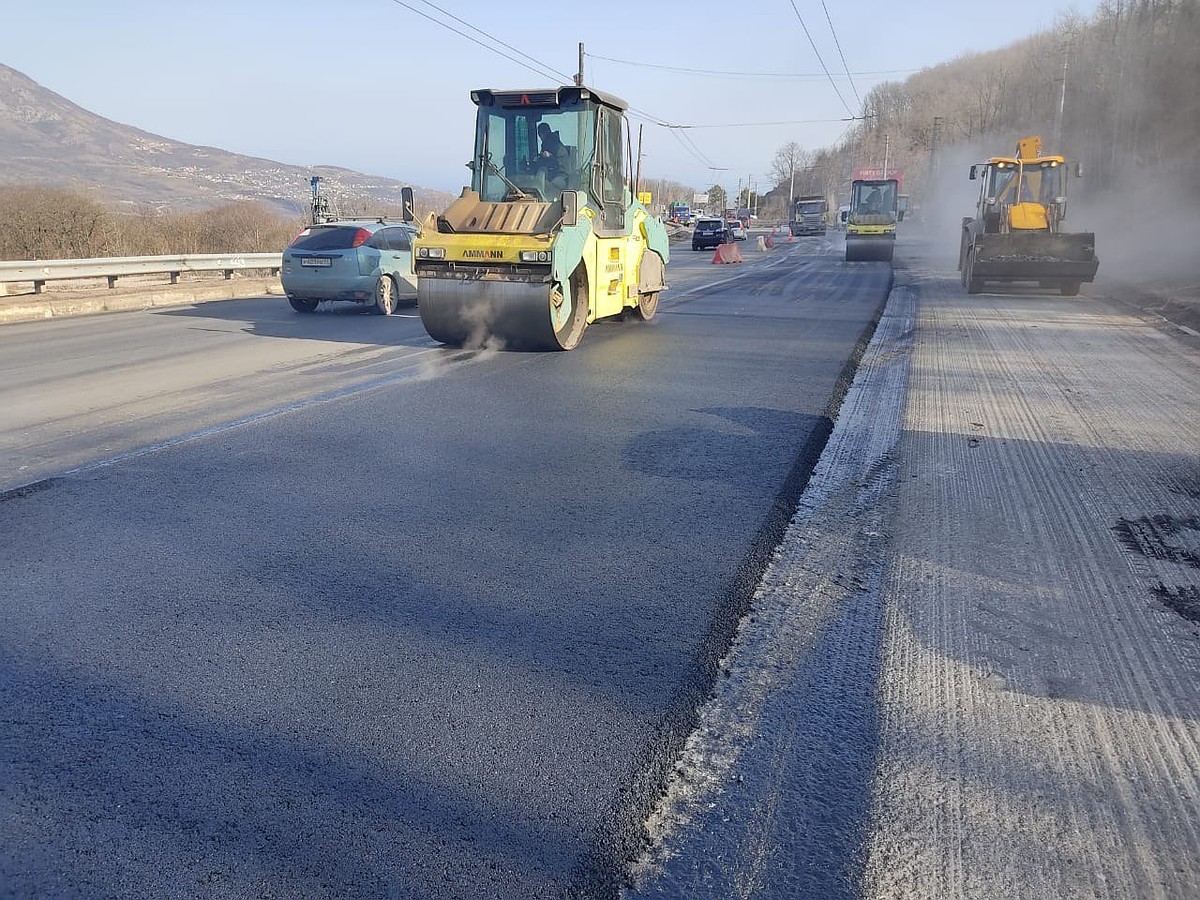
pixel 887 146
pixel 1056 140
pixel 935 141
pixel 579 75
pixel 637 178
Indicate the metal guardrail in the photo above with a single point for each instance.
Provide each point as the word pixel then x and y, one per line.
pixel 39 271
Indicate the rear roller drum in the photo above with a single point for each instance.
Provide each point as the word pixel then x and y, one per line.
pixel 647 306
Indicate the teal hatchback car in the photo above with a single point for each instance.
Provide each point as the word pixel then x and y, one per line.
pixel 362 261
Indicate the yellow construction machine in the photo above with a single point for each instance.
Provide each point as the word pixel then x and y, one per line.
pixel 871 224
pixel 1016 233
pixel 549 237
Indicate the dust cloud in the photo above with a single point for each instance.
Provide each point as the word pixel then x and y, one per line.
pixel 1145 233
pixel 950 196
pixel 1145 228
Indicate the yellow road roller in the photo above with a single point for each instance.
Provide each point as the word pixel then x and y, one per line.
pixel 550 236
pixel 871 224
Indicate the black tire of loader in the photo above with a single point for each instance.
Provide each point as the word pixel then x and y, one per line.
pixel 970 282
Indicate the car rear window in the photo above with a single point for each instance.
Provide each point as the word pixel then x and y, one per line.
pixel 326 237
pixel 709 226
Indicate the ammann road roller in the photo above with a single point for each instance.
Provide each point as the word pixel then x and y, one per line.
pixel 871 224
pixel 550 236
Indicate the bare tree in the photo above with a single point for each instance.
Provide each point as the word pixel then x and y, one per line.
pixel 788 160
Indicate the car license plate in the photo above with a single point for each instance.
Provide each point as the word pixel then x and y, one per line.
pixel 319 261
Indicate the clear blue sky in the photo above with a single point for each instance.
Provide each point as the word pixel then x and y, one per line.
pixel 372 86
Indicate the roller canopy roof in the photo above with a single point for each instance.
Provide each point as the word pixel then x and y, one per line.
pixel 545 97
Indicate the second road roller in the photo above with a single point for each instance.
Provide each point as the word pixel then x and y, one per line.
pixel 549 236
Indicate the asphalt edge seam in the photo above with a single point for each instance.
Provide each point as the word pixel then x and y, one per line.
pixel 686 809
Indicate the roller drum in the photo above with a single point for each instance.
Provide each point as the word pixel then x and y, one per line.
pixel 518 315
pixel 867 248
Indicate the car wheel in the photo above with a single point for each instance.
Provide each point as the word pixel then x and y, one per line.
pixel 303 304
pixel 385 295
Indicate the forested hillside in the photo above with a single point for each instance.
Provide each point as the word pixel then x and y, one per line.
pixel 1131 104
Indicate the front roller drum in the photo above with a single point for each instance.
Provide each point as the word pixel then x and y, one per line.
pixel 869 249
pixel 509 314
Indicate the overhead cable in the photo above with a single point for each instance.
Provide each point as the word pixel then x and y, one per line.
pixel 817 53
pixel 767 124
pixel 543 71
pixel 565 78
pixel 838 44
pixel 727 73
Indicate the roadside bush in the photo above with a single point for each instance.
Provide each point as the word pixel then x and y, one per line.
pixel 52 223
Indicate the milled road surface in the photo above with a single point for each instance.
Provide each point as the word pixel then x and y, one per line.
pixel 971 668
pixel 1040 732
pixel 424 623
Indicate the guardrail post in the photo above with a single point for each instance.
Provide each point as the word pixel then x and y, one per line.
pixel 112 282
pixel 37 286
pixel 174 278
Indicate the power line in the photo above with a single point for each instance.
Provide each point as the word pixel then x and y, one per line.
pixel 767 124
pixel 726 73
pixel 687 137
pixel 492 37
pixel 691 149
pixel 813 44
pixel 544 72
pixel 838 44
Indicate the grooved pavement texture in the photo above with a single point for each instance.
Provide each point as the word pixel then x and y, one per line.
pixel 1040 731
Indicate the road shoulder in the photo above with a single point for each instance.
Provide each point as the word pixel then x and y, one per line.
pixel 62 300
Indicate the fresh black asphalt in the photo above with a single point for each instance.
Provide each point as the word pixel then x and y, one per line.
pixel 437 638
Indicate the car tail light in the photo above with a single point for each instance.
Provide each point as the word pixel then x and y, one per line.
pixel 360 237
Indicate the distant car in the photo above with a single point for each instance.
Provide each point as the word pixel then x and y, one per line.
pixel 708 233
pixel 736 231
pixel 362 261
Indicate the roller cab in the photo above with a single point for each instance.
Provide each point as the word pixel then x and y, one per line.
pixel 549 237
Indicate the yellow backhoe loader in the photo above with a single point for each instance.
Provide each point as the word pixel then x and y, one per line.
pixel 1016 233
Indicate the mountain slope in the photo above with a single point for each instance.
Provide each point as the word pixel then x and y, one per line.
pixel 46 139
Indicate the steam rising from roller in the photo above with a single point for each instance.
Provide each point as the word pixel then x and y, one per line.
pixel 549 236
